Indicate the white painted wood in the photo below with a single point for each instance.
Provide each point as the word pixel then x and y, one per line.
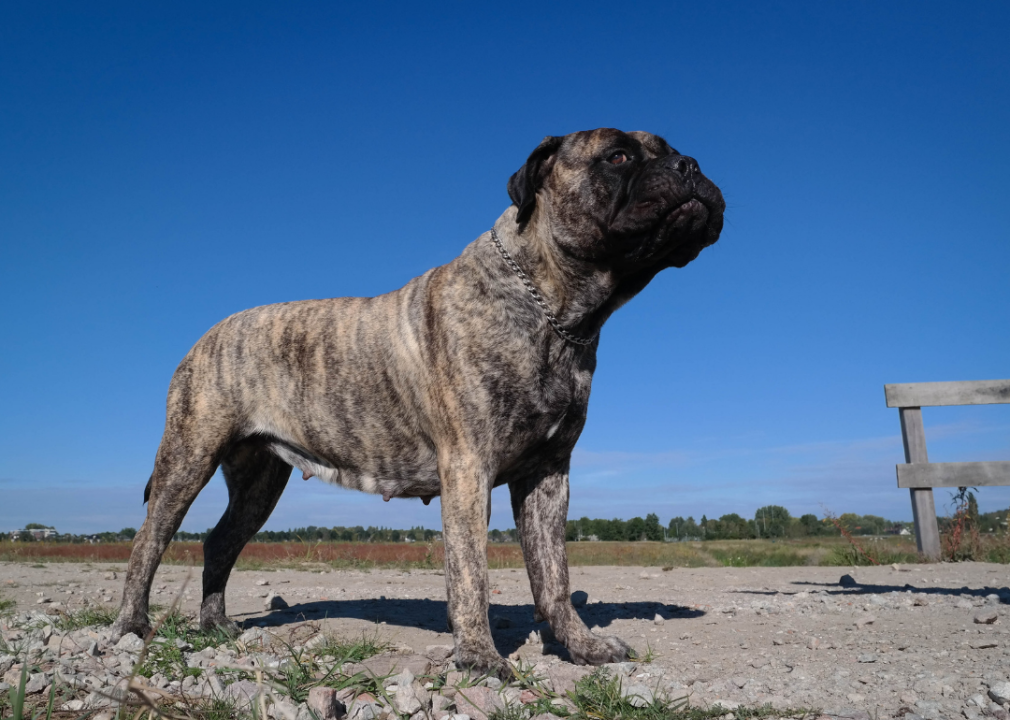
pixel 963 474
pixel 935 394
pixel 913 437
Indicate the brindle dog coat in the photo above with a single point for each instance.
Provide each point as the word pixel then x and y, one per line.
pixel 450 386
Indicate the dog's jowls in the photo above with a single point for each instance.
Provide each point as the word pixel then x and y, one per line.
pixel 448 387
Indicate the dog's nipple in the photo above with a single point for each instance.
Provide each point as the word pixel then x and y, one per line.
pixel 426 498
pixel 386 494
pixel 306 475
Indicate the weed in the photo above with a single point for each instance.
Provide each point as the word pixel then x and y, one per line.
pixel 85 617
pixel 6 606
pixel 352 651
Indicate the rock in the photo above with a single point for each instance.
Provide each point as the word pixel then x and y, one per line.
pixel 324 703
pixel 658 620
pixel 130 643
pixel 813 643
pixel 867 658
pixel 1000 692
pixel 864 621
pixel 255 637
pixel 405 700
pixel 964 604
pixel 546 716
pixel 404 677
pixel 639 695
pixel 72 706
pixel 242 693
pixel 580 598
pixel 438 653
pixel 982 644
pixel 262 583
pixel 275 602
pixel 37 682
pixel 847 581
pixel 478 702
pixel 986 618
pixel 563 676
pixel 110 576
pixel 284 710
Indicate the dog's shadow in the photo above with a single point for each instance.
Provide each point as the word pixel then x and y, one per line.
pixel 510 624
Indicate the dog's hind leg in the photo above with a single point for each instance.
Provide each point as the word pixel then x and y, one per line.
pixel 540 507
pixel 187 458
pixel 256 478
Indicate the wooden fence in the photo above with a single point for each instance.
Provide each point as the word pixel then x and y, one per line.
pixel 918 474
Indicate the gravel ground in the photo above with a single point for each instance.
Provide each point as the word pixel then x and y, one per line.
pixel 926 640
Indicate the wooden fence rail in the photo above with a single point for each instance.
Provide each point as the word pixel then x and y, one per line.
pixel 918 474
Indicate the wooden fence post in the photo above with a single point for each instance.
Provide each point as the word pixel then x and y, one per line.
pixel 913 437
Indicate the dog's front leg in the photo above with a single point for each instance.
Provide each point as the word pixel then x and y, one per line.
pixel 540 506
pixel 466 487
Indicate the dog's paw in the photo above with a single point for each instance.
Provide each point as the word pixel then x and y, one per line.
pixel 125 626
pixel 593 650
pixel 220 623
pixel 484 663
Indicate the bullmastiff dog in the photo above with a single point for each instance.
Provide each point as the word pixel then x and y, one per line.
pixel 473 375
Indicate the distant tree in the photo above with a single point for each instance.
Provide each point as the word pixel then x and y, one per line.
pixel 673 529
pixel 128 533
pixel 635 529
pixel 772 521
pixel 35 526
pixel 653 530
pixel 810 525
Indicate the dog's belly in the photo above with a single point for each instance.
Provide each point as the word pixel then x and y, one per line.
pixel 415 475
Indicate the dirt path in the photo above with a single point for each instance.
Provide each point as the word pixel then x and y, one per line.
pixel 914 636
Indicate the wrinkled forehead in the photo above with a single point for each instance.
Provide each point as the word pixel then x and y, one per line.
pixel 592 142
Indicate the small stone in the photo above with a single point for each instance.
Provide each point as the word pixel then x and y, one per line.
pixel 580 598
pixel 964 604
pixel 983 644
pixel 478 702
pixel 37 682
pixel 130 643
pixel 323 702
pixel 814 643
pixel 405 701
pixel 986 618
pixel 908 697
pixel 1000 692
pixel 867 658
pixel 262 583
pixel 855 697
pixel 242 693
pixel 111 576
pixel 638 694
pixel 438 653
pixel 847 581
pixel 658 620
pixel 864 621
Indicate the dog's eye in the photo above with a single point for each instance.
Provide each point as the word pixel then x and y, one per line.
pixel 618 157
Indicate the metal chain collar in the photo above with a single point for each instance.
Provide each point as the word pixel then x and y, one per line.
pixel 564 334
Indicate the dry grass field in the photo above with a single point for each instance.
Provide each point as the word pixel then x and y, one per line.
pixel 718 553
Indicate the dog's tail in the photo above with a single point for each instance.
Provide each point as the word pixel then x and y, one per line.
pixel 147 489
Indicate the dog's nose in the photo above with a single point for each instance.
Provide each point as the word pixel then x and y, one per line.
pixel 686 167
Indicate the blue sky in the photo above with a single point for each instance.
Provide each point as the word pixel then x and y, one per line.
pixel 164 167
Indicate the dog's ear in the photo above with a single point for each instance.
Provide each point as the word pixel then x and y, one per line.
pixel 523 185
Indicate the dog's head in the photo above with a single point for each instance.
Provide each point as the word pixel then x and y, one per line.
pixel 625 200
